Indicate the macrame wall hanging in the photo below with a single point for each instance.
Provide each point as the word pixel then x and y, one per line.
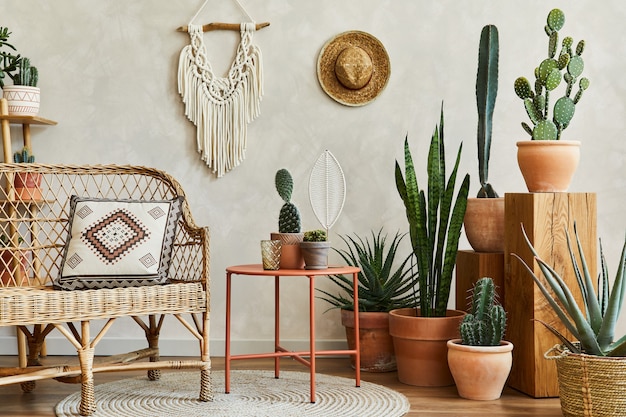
pixel 221 107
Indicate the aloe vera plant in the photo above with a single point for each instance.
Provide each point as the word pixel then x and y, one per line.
pixel 384 285
pixel 485 324
pixel 486 93
pixel 594 325
pixel 434 224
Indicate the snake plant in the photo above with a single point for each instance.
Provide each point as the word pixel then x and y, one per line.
pixel 594 325
pixel 383 285
pixel 434 225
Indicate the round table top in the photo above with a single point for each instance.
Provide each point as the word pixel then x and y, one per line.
pixel 257 269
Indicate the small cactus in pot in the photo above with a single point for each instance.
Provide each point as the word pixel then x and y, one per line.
pixel 485 324
pixel 289 217
pixel 567 66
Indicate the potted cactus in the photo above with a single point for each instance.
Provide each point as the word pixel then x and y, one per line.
pixel 27 184
pixel 23 96
pixel 484 216
pixel 289 224
pixel 480 361
pixel 314 248
pixel 547 162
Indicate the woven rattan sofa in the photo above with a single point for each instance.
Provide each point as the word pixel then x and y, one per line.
pixel 36 223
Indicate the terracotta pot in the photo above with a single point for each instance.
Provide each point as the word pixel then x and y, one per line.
pixel 484 224
pixel 290 254
pixel 420 344
pixel 22 100
pixel 375 343
pixel 480 372
pixel 315 254
pixel 548 165
pixel 7 268
pixel 27 186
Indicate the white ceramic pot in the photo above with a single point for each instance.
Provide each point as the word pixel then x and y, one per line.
pixel 22 100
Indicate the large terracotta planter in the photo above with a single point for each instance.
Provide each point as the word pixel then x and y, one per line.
pixel 548 165
pixel 290 254
pixel 420 344
pixel 22 100
pixel 480 372
pixel 484 224
pixel 376 345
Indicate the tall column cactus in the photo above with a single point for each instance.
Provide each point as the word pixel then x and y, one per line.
pixel 567 66
pixel 486 322
pixel 26 75
pixel 289 217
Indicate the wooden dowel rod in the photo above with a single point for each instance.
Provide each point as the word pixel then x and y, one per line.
pixel 223 26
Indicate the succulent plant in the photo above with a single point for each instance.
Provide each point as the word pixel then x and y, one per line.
pixel 24 156
pixel 289 217
pixel 486 93
pixel 8 61
pixel 434 224
pixel 485 324
pixel 593 325
pixel 568 66
pixel 318 235
pixel 26 75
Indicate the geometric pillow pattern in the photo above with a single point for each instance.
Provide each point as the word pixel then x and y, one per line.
pixel 118 243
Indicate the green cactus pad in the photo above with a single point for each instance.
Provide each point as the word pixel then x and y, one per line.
pixel 284 184
pixel 564 111
pixel 556 19
pixel 523 89
pixel 527 128
pixel 534 114
pixel 563 60
pixel 576 66
pixel 580 48
pixel 584 83
pixel 289 219
pixel 553 44
pixel 567 45
pixel 545 130
pixel 553 80
pixel 546 67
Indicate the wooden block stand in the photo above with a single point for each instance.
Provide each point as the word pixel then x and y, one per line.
pixel 545 217
pixel 471 266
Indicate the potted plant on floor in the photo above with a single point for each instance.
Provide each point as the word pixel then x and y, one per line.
pixel 383 286
pixel 420 334
pixel 480 361
pixel 314 248
pixel 547 162
pixel 484 217
pixel 591 371
pixel 289 224
pixel 27 184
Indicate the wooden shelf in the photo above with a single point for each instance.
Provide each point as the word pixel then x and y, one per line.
pixel 27 120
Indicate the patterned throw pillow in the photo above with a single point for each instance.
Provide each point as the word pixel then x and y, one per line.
pixel 118 243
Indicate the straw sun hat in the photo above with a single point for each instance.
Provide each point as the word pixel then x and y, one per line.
pixel 353 68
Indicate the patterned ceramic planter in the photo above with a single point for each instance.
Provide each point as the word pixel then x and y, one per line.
pixel 22 100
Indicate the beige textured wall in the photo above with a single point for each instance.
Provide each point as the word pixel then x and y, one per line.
pixel 108 76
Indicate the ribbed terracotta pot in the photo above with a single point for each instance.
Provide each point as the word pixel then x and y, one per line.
pixel 484 224
pixel 420 344
pixel 290 254
pixel 548 165
pixel 375 343
pixel 480 372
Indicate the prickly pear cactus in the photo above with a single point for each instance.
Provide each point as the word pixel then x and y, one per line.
pixel 567 66
pixel 485 324
pixel 289 217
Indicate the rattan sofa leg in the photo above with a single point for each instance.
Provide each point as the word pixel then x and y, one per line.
pixel 206 387
pixel 87 396
pixel 152 334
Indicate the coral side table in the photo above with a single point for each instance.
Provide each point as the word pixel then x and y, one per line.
pixel 279 351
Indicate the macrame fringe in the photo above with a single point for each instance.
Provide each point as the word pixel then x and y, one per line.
pixel 221 108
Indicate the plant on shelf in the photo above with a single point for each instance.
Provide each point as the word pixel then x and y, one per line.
pixel 289 223
pixel 480 361
pixel 314 248
pixel 434 228
pixel 484 217
pixel 8 60
pixel 384 285
pixel 23 156
pixel 26 75
pixel 27 184
pixel 590 370
pixel 568 66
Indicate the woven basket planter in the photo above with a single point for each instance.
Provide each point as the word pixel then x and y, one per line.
pixel 590 386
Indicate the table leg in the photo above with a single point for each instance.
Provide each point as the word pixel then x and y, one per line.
pixel 227 355
pixel 312 333
pixel 276 325
pixel 357 343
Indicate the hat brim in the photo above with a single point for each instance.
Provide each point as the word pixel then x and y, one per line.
pixel 381 68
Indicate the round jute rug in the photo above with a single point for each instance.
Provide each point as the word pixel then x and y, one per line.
pixel 252 393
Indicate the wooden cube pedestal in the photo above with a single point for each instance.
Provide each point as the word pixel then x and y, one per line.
pixel 544 217
pixel 471 266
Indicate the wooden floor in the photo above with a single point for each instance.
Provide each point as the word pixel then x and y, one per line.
pixel 437 402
